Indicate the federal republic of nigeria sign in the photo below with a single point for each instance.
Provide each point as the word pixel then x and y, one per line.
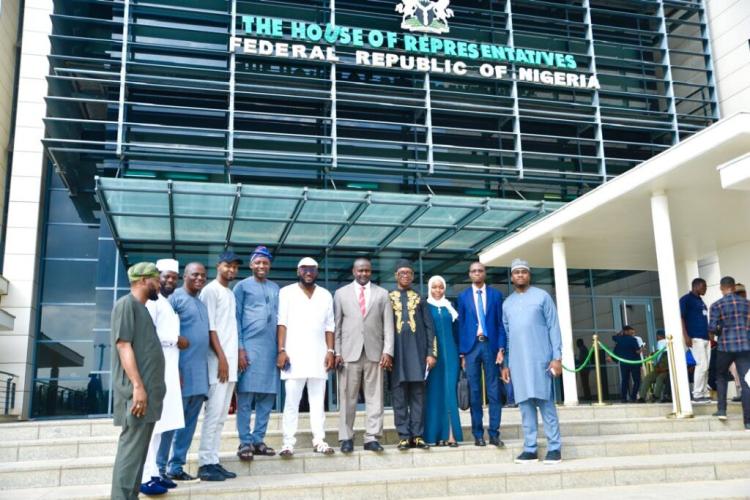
pixel 425 16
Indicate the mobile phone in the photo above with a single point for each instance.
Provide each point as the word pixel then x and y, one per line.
pixel 287 366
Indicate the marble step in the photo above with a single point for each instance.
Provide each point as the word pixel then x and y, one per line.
pixel 46 429
pixel 436 481
pixel 95 470
pixel 105 445
pixel 730 489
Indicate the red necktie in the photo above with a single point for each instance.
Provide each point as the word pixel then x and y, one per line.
pixel 362 301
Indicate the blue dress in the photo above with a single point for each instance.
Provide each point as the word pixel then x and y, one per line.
pixel 441 404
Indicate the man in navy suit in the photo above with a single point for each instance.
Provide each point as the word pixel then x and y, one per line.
pixel 481 346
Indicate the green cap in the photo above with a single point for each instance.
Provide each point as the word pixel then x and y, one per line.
pixel 142 270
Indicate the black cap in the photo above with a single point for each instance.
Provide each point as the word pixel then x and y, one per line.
pixel 404 263
pixel 229 257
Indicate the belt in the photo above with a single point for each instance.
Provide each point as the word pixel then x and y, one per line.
pixel 482 338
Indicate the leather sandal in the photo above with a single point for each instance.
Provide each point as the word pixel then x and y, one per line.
pixel 262 449
pixel 245 452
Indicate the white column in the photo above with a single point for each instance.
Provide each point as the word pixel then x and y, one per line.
pixel 562 294
pixel 670 298
pixel 691 272
pixel 22 256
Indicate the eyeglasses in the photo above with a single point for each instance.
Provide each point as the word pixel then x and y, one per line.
pixel 405 273
pixel 308 269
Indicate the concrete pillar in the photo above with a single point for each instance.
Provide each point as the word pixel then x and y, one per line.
pixel 21 265
pixel 691 270
pixel 562 293
pixel 670 298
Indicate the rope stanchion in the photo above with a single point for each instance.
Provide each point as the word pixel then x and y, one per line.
pixel 583 365
pixel 597 367
pixel 678 413
pixel 652 357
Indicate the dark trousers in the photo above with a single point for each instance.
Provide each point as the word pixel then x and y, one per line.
pixel 408 407
pixel 132 449
pixel 585 384
pixel 723 361
pixel 626 373
pixel 481 358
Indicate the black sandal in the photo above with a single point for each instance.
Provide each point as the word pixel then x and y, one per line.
pixel 245 453
pixel 262 449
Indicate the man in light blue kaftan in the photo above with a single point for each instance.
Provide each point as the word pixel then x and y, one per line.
pixel 257 301
pixel 533 356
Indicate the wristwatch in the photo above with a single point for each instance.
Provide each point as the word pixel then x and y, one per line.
pixel 331 351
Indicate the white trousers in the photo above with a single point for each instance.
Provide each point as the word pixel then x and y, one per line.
pixel 215 412
pixel 702 353
pixel 316 390
pixel 150 469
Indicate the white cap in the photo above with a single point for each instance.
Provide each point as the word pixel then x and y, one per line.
pixel 519 264
pixel 307 261
pixel 168 265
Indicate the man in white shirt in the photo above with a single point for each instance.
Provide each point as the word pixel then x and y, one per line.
pixel 167 323
pixel 222 365
pixel 306 353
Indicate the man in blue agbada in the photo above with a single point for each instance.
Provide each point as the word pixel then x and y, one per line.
pixel 257 301
pixel 533 358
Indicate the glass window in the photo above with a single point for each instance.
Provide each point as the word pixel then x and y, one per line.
pixel 312 234
pixel 267 233
pixel 142 228
pixel 71 397
pixel 416 238
pixel 206 230
pixel 69 281
pixel 64 240
pixel 604 316
pixel 60 323
pixel 365 236
pixel 582 313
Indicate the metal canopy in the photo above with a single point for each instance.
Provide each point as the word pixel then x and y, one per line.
pixel 151 215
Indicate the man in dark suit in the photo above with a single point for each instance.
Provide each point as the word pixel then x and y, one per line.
pixel 481 333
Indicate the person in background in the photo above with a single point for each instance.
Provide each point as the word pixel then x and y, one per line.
pixel 730 320
pixel 658 377
pixel 695 332
pixel 583 351
pixel 626 347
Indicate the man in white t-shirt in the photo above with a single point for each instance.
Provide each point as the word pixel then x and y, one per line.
pixel 222 365
pixel 306 353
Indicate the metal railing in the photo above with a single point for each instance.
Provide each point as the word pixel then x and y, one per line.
pixel 8 391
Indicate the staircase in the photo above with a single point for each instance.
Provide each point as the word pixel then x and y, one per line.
pixel 622 451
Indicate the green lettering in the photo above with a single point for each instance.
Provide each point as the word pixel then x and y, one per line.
pixel 410 43
pixel 572 63
pixel 449 48
pixel 299 30
pixel 473 51
pixel 247 23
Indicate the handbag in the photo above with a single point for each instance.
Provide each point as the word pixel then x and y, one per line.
pixel 462 391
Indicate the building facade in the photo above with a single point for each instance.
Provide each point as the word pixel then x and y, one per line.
pixel 181 128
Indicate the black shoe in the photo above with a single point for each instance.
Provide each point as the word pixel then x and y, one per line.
pixel 495 441
pixel 736 399
pixel 210 473
pixel 526 457
pixel 640 400
pixel 167 483
pixel 553 457
pixel 347 446
pixel 480 442
pixel 721 415
pixel 421 443
pixel 226 473
pixel 183 477
pixel 404 445
pixel 373 446
pixel 262 449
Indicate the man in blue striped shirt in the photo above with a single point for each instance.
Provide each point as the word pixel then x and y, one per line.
pixel 730 321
